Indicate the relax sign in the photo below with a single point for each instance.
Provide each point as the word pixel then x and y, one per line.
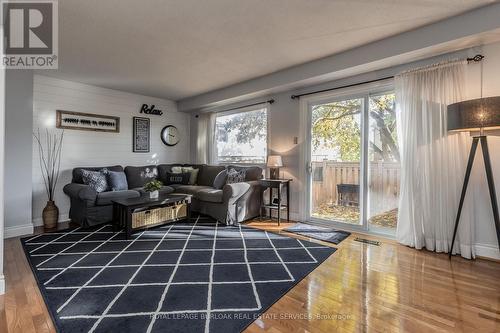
pixel 150 110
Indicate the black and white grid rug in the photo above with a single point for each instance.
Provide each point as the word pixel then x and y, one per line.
pixel 197 277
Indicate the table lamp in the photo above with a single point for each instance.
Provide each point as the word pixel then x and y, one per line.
pixel 274 162
pixel 476 115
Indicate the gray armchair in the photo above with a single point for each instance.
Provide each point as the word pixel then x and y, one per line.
pixel 226 205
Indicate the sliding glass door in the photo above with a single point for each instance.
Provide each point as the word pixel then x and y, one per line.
pixel 353 161
pixel 383 164
pixel 336 160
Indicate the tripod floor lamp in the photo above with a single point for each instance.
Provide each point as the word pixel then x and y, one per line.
pixel 480 114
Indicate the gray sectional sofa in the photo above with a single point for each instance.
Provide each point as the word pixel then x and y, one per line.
pixel 232 204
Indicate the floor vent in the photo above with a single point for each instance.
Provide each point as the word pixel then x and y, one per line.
pixel 367 241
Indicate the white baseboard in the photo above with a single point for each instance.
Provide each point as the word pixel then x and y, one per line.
pixel 27 229
pixel 2 284
pixel 18 230
pixel 487 251
pixel 37 222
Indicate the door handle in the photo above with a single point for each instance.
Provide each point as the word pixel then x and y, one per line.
pixel 309 167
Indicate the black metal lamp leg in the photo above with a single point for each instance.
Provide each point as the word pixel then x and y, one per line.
pixel 472 153
pixel 491 185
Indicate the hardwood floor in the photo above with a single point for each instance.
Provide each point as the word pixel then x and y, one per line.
pixel 360 288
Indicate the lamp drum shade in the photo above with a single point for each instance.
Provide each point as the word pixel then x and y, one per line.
pixel 274 161
pixel 474 114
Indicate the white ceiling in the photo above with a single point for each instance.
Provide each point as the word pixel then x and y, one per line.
pixel 181 48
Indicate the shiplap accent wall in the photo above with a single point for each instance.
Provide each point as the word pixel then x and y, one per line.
pixel 88 148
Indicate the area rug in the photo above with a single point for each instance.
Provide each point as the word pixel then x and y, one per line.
pixel 321 233
pixel 197 277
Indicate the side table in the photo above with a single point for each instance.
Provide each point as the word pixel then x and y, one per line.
pixel 278 204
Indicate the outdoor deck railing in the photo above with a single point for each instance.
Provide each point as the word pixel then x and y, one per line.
pixel 383 182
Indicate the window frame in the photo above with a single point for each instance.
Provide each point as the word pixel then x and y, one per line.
pixel 239 111
pixel 364 91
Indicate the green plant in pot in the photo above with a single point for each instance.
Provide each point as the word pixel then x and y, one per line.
pixel 153 188
pixel 49 154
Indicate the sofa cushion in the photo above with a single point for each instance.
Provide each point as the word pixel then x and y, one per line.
pixel 193 179
pixel 207 174
pixel 117 180
pixel 162 190
pixel 251 172
pixel 209 195
pixel 176 169
pixel 184 169
pixel 95 179
pixel 77 172
pixel 189 189
pixel 138 176
pixel 106 198
pixel 220 180
pixel 163 169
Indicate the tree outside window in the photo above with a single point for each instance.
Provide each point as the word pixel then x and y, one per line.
pixel 242 137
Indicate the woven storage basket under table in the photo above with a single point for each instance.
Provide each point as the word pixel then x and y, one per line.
pixel 144 217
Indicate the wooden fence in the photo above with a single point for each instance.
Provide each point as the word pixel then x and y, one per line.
pixel 383 182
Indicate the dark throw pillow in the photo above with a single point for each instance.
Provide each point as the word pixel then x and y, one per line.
pixel 117 181
pixel 191 170
pixel 220 180
pixel 96 180
pixel 177 178
pixel 235 176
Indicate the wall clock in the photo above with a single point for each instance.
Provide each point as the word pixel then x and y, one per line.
pixel 170 135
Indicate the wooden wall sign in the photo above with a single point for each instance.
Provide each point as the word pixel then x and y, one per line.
pixel 87 121
pixel 141 135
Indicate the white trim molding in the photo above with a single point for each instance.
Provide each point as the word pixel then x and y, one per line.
pixel 2 284
pixel 38 222
pixel 487 251
pixel 2 169
pixel 18 230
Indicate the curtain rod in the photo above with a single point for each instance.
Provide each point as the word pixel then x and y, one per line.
pixel 476 58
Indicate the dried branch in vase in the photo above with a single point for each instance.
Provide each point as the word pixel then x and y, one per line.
pixel 49 149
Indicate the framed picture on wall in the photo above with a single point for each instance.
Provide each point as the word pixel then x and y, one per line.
pixel 141 135
pixel 87 121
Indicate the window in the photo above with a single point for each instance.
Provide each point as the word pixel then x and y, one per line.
pixel 241 137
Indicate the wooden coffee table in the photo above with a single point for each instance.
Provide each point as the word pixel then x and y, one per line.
pixel 137 214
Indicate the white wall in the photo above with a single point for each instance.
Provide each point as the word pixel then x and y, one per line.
pixel 18 151
pixel 87 148
pixel 486 240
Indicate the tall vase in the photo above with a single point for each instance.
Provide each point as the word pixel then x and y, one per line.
pixel 50 215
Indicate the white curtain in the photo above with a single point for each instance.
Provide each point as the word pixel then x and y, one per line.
pixel 206 147
pixel 433 161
